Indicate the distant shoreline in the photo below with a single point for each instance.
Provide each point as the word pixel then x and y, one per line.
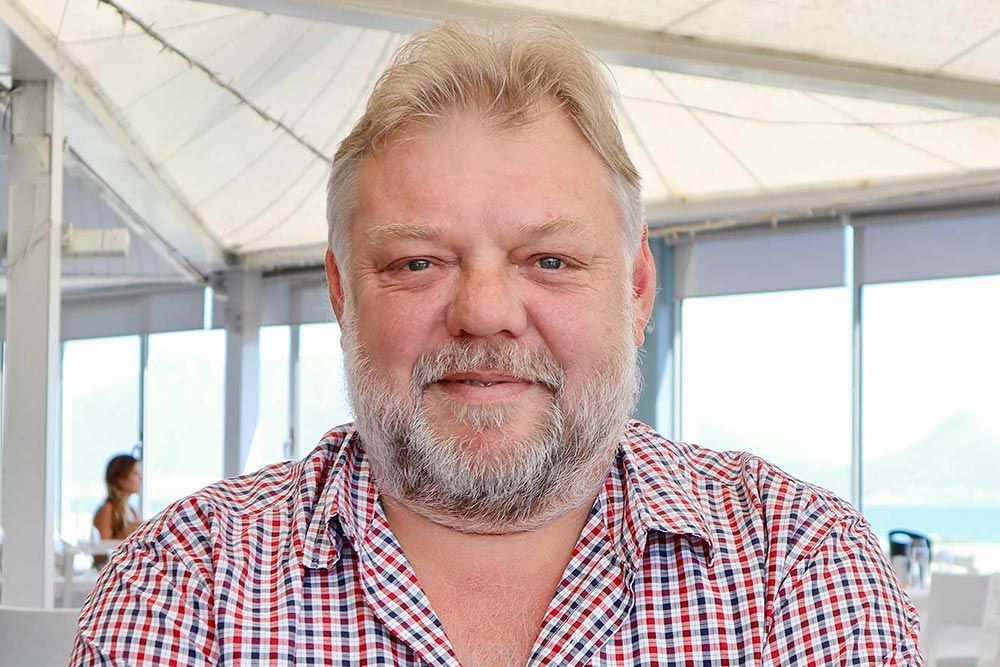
pixel 949 523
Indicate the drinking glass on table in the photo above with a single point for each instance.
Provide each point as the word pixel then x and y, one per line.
pixel 920 564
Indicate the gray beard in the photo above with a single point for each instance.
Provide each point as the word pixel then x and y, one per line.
pixel 520 485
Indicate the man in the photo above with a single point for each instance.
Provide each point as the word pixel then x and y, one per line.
pixel 492 504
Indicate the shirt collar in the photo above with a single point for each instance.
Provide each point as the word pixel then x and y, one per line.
pixel 346 503
pixel 653 488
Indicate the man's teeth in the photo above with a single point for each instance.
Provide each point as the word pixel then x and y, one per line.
pixel 477 383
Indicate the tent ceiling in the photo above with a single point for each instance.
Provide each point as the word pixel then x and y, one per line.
pixel 235 109
pixel 88 204
pixel 960 37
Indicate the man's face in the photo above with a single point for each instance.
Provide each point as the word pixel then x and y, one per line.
pixel 491 309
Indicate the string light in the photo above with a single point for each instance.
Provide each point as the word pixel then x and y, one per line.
pixel 214 78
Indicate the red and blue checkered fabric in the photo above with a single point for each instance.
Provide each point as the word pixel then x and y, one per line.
pixel 690 557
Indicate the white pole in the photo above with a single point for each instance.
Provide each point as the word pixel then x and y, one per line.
pixel 242 367
pixel 853 240
pixel 31 408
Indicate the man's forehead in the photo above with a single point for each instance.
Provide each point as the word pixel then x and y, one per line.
pixel 543 179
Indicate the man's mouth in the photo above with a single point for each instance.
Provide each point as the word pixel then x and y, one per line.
pixel 484 379
pixel 483 386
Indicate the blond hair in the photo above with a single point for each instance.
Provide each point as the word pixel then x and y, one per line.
pixel 511 73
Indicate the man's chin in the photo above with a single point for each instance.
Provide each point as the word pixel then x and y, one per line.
pixel 515 421
pixel 492 439
pixel 478 438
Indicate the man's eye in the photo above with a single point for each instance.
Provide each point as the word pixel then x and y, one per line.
pixel 418 264
pixel 550 263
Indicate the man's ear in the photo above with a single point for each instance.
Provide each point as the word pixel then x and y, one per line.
pixel 643 286
pixel 335 285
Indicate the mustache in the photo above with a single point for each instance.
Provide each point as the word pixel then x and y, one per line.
pixel 497 356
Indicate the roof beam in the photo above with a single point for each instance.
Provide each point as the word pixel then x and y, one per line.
pixel 310 255
pixel 100 136
pixel 677 219
pixel 656 50
pixel 136 224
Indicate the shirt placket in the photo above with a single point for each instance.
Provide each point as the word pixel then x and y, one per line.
pixel 591 603
pixel 396 599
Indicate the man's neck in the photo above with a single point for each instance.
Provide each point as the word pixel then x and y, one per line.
pixel 502 584
pixel 471 556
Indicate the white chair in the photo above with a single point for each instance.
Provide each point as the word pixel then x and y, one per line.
pixel 36 637
pixel 955 630
pixel 71 585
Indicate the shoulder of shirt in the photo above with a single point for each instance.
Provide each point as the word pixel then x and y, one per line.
pixel 803 513
pixel 239 499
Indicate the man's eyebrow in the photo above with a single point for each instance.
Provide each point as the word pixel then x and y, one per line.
pixel 553 227
pixel 400 230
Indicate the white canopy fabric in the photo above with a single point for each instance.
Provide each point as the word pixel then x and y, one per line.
pixel 959 37
pixel 238 111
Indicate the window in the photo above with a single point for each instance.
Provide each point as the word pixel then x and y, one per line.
pixel 185 392
pixel 931 427
pixel 272 432
pixel 100 419
pixel 771 374
pixel 323 401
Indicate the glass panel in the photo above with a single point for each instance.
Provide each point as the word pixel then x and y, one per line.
pixel 323 402
pixel 268 444
pixel 185 392
pixel 771 374
pixel 100 419
pixel 931 427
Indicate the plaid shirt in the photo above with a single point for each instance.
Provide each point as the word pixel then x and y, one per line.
pixel 689 557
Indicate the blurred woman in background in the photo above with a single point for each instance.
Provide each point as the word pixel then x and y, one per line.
pixel 116 518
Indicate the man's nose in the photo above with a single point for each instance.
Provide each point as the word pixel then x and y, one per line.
pixel 486 302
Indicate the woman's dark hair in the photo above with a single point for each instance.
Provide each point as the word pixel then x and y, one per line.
pixel 119 467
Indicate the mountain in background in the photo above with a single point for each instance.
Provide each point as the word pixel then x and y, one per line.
pixel 957 463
